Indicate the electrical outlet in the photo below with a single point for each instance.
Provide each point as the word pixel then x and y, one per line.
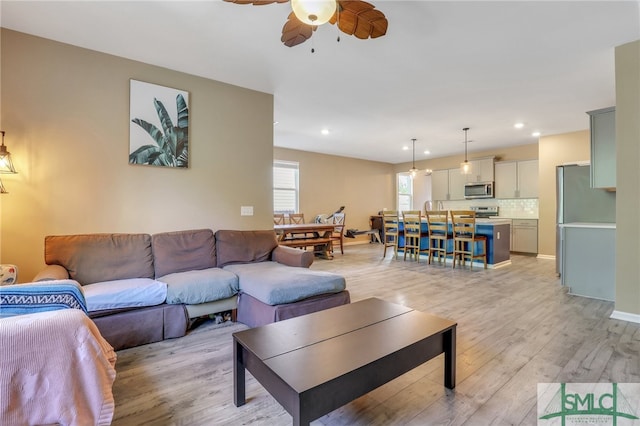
pixel 498 237
pixel 246 210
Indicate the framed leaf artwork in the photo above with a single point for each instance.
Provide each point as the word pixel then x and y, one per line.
pixel 158 126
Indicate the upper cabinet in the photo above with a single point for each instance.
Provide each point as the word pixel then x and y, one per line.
pixel 447 184
pixel 481 170
pixel 440 185
pixel 603 147
pixel 516 179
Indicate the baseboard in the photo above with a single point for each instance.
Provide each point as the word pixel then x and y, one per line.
pixel 625 316
pixel 546 256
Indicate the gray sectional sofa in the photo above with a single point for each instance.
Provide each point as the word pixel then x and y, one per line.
pixel 143 288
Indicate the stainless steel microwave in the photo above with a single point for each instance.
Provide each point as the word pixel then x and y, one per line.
pixel 478 190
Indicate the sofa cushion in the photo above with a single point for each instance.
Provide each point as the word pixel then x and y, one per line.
pixel 275 284
pixel 93 258
pixel 132 292
pixel 200 286
pixel 244 246
pixel 183 251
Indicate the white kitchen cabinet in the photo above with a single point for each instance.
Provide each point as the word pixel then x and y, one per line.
pixel 516 179
pixel 447 185
pixel 456 184
pixel 481 170
pixel 440 185
pixel 603 147
pixel 524 235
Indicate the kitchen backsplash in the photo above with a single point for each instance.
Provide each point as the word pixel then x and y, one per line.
pixel 518 208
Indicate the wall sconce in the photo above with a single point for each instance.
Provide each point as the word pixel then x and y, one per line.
pixel 6 164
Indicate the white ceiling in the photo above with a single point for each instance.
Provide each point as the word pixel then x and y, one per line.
pixel 442 66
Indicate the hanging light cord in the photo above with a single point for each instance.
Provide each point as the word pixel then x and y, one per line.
pixel 466 129
pixel 414 154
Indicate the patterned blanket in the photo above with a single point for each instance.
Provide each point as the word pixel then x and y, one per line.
pixel 41 296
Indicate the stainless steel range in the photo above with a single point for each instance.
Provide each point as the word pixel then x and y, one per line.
pixel 485 211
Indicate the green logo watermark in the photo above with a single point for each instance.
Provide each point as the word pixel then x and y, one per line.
pixel 588 403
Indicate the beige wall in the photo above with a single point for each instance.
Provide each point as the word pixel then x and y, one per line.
pixel 66 114
pixel 628 178
pixel 328 182
pixel 554 151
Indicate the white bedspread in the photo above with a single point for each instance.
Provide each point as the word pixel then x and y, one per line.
pixel 55 367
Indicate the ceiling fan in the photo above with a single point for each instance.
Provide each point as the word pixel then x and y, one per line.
pixel 354 17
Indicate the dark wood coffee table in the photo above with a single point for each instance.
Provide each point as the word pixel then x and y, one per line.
pixel 316 363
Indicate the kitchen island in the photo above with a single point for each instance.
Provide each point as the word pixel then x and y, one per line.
pixel 497 231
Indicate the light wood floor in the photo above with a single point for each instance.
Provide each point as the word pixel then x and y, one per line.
pixel 516 327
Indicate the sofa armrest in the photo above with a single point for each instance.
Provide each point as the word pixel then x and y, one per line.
pixel 52 272
pixel 292 257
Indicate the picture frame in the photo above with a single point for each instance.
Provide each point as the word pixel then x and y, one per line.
pixel 158 125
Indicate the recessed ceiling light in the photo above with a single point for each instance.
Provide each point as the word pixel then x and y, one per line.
pixel 404 148
pixel 427 152
pixel 325 131
pixel 518 125
pixel 535 134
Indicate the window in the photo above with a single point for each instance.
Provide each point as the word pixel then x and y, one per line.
pixel 405 191
pixel 285 187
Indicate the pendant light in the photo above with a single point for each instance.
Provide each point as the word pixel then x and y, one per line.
pixel 465 166
pixel 413 169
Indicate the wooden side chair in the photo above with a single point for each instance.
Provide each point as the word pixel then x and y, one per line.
pixel 465 238
pixel 278 219
pixel 296 218
pixel 391 232
pixel 412 221
pixel 338 233
pixel 439 234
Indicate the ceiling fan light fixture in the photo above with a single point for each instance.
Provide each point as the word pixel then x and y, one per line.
pixel 314 12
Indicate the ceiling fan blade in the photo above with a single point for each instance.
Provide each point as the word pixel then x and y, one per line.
pixel 295 32
pixel 360 19
pixel 256 2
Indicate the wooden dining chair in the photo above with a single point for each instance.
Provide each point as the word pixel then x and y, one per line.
pixel 412 221
pixel 390 226
pixel 465 238
pixel 296 218
pixel 439 234
pixel 338 232
pixel 278 219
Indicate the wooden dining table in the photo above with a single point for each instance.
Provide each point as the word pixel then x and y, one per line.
pixel 302 235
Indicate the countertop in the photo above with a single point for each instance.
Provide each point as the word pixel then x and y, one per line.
pixel 588 225
pixel 514 217
pixel 493 221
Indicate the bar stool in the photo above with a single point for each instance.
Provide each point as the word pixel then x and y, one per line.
pixel 465 238
pixel 390 225
pixel 412 221
pixel 439 234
